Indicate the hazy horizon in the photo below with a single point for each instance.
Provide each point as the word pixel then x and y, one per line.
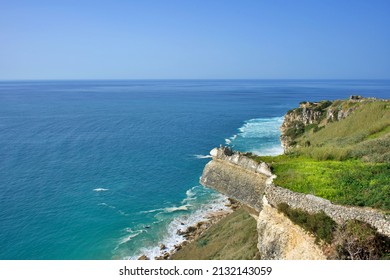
pixel 196 40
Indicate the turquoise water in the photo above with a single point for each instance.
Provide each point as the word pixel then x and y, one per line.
pixel 110 169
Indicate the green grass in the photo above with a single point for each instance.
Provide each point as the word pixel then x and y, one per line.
pixel 346 161
pixel 350 182
pixel 233 238
pixel 358 132
pixel 381 132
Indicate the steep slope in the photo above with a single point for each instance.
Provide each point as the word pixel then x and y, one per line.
pixel 337 150
pixel 342 129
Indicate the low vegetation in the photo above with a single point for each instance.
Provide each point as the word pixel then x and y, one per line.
pixel 319 224
pixel 346 161
pixel 364 135
pixel 356 240
pixel 349 182
pixel 233 238
pixel 353 240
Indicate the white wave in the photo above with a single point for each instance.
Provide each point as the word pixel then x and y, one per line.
pixel 202 156
pixel 229 140
pixel 190 192
pixel 182 222
pixel 256 128
pixel 129 237
pixel 100 190
pixel 168 209
pixel 259 136
pixel 190 195
pixel 152 211
pixel 180 208
pixel 107 205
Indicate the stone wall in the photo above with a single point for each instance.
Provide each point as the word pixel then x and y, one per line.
pixel 237 176
pixel 338 213
pixel 245 186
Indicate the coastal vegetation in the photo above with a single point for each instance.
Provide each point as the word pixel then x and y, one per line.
pixel 232 238
pixel 346 161
pixel 349 182
pixel 364 136
pixel 354 240
pixel 336 150
pixel 319 224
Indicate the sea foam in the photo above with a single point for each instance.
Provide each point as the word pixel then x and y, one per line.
pixel 259 136
pixel 100 190
pixel 202 156
pixel 181 222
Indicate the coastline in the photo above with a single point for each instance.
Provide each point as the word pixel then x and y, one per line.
pixel 193 231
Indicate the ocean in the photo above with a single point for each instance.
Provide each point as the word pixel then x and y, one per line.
pixel 110 169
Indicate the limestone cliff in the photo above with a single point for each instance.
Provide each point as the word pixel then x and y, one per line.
pixel 280 239
pixel 250 182
pixel 315 115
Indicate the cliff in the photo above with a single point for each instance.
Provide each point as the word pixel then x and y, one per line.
pixel 328 195
pixel 315 116
pixel 239 176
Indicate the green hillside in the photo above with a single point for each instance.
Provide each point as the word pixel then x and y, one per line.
pixel 365 135
pixel 346 161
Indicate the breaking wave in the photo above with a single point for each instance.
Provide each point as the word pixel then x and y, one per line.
pixel 100 190
pixel 258 136
pixel 202 156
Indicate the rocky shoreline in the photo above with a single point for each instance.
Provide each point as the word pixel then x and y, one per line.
pixel 192 232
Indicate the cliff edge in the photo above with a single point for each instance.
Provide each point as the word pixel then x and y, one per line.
pixel 328 196
pixel 250 182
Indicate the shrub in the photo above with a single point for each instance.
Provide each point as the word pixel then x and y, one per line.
pixel 359 241
pixel 319 224
pixel 297 129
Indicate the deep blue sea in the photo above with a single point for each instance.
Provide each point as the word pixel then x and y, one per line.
pixel 110 169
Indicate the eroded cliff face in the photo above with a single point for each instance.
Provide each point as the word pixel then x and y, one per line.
pixel 245 180
pixel 280 239
pixel 317 114
pixel 242 178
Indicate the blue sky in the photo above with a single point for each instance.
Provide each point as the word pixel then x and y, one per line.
pixel 214 39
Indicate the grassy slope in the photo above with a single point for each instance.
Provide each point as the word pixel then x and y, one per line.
pixel 233 238
pixel 365 134
pixel 347 162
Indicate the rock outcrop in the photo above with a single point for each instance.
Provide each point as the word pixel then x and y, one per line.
pixel 250 182
pixel 280 239
pixel 316 114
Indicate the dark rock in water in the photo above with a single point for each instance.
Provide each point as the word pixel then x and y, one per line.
pixel 182 224
pixel 143 257
pixel 163 247
pixel 146 226
pixel 190 229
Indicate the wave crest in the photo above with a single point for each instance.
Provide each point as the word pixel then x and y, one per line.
pixel 202 156
pixel 100 190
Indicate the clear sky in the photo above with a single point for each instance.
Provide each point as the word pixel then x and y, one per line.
pixel 213 39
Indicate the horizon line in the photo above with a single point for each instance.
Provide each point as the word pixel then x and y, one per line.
pixel 187 79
